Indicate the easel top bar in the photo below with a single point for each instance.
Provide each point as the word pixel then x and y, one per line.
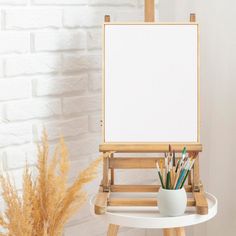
pixel 143 147
pixel 150 23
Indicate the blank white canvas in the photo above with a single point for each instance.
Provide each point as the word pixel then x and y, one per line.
pixel 151 84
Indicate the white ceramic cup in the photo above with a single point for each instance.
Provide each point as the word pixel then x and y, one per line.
pixel 172 202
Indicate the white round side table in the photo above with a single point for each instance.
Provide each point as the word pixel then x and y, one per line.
pixel 150 218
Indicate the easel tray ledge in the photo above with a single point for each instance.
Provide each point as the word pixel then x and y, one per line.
pixel 149 147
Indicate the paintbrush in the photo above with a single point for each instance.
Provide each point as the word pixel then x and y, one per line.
pixel 174 158
pixel 183 172
pixel 159 173
pixel 188 171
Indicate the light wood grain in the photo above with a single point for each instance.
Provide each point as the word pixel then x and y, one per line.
pixel 100 205
pixel 180 231
pixel 140 202
pixel 168 232
pixel 148 147
pixel 112 169
pixel 107 18
pixel 149 10
pixel 196 174
pixel 190 177
pixel 105 172
pixel 135 188
pixel 132 202
pixel 135 163
pixel 141 188
pixel 113 230
pixel 192 17
pixel 201 203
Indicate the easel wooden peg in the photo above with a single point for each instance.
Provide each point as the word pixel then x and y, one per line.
pixel 192 17
pixel 107 18
pixel 149 10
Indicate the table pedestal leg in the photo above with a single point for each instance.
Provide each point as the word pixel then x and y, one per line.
pixel 180 231
pixel 169 232
pixel 113 230
pixel 174 231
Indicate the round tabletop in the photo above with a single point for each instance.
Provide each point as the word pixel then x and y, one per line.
pixel 150 217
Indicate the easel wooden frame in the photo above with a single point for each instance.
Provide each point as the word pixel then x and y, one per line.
pixel 111 162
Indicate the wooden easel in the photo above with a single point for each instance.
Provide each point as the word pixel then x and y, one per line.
pixel 111 162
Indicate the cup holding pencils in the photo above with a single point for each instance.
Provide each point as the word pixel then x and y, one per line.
pixel 172 197
pixel 172 202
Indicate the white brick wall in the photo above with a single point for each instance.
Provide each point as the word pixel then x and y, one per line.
pixel 14 88
pixel 32 18
pixel 18 42
pixel 57 85
pixel 59 40
pixel 50 76
pixel 15 133
pixel 13 2
pixel 33 109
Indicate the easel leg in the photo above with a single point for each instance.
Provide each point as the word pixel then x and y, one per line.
pixel 169 232
pixel 196 179
pixel 180 231
pixel 112 172
pixel 105 173
pixel 113 230
pixel 174 231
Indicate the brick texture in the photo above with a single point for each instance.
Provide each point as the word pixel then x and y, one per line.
pixel 61 2
pixel 31 109
pixel 62 40
pixel 17 42
pixel 52 85
pixel 33 18
pixel 84 16
pixel 12 134
pixel 27 64
pixel 13 2
pixel 14 89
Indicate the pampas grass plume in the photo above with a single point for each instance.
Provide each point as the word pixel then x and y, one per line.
pixel 47 202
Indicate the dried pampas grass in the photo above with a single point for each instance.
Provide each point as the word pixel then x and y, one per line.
pixel 47 202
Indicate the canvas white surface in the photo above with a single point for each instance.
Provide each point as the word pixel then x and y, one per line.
pixel 151 87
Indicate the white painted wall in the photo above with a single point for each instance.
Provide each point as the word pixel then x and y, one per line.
pixel 218 103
